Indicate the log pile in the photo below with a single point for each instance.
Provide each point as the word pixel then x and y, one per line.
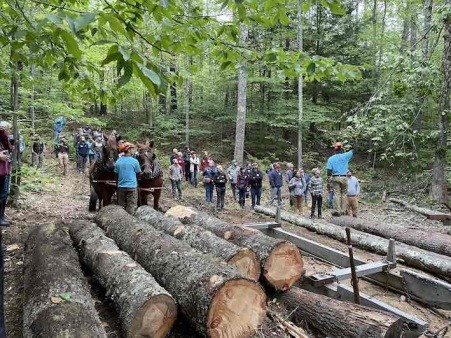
pixel 410 255
pixel 281 260
pixel 335 318
pixel 244 259
pixel 57 300
pixel 218 301
pixel 431 241
pixel 145 309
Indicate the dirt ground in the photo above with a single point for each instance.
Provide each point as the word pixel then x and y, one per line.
pixel 50 198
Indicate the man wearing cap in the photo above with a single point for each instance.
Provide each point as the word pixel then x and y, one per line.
pixel 37 152
pixel 63 154
pixel 126 168
pixel 232 174
pixel 337 168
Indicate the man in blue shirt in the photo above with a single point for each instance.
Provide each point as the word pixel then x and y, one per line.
pixel 127 167
pixel 337 167
pixel 276 183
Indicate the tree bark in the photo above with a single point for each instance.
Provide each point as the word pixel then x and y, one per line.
pixel 411 256
pixel 244 259
pixel 214 297
pixel 301 83
pixel 281 261
pixel 52 272
pixel 241 105
pixel 144 307
pixel 435 242
pixel 335 318
pixel 439 184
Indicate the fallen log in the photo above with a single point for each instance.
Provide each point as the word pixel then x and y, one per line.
pixel 244 259
pixel 335 318
pixel 410 255
pixel 281 261
pixel 57 300
pixel 431 241
pixel 144 307
pixel 423 211
pixel 218 301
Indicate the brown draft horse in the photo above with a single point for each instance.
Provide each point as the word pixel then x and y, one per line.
pixel 102 177
pixel 151 180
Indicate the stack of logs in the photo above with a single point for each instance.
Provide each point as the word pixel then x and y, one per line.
pixel 152 265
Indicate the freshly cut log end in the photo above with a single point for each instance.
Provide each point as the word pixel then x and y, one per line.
pixel 236 310
pixel 155 318
pixel 283 266
pixel 247 262
pixel 180 212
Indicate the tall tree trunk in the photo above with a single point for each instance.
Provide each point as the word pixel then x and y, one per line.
pixel 438 189
pixel 413 32
pixel 173 91
pixel 381 40
pixel 405 34
pixel 300 84
pixel 15 161
pixel 187 101
pixel 427 10
pixel 241 106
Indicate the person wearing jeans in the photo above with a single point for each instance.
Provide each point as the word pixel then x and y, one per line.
pixel 175 175
pixel 220 180
pixel 315 187
pixel 276 183
pixel 208 175
pixel 255 182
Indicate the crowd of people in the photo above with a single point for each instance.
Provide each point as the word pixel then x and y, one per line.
pixel 342 187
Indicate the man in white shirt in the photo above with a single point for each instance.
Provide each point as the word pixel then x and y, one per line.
pixel 353 194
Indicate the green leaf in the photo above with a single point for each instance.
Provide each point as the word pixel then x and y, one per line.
pixel 111 57
pixel 65 296
pixel 116 25
pixel 83 21
pixel 71 44
pixel 151 75
pixel 311 68
pixel 125 53
pixel 226 64
pixel 128 71
pixel 54 18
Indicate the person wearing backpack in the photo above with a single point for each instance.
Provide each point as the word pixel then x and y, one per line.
pixel 242 183
pixel 83 152
pixel 208 175
pixel 220 180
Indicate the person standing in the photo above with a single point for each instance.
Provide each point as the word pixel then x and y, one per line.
pixel 173 155
pixel 175 175
pixel 127 168
pixel 242 183
pixel 306 178
pixel 297 185
pixel 5 172
pixel 186 158
pixel 337 167
pixel 276 183
pixel 63 155
pixel 83 152
pixel 353 194
pixel 193 168
pixel 255 182
pixel 37 152
pixel 315 187
pixel 289 174
pixel 181 162
pixel 220 180
pixel 208 175
pixel 91 153
pixel 232 174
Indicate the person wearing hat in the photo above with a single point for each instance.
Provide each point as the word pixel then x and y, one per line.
pixel 255 181
pixel 232 174
pixel 37 152
pixel 337 168
pixel 127 168
pixel 315 186
pixel 63 154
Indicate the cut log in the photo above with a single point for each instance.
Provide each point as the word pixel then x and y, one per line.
pixel 57 300
pixel 423 211
pixel 217 300
pixel 281 260
pixel 431 241
pixel 410 255
pixel 144 307
pixel 335 318
pixel 244 259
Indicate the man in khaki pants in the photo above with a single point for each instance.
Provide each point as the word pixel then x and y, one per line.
pixel 63 155
pixel 337 168
pixel 353 194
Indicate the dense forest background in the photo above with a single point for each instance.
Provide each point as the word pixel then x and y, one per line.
pixel 205 73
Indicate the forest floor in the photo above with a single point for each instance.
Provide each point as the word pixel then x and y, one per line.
pixel 48 197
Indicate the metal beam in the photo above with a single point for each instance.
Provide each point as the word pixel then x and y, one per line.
pixel 425 290
pixel 319 279
pixel 263 225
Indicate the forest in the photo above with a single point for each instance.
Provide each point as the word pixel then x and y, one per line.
pixel 245 79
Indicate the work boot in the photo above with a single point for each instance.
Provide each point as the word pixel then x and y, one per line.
pixel 3 221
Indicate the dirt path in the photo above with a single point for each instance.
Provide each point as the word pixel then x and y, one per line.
pixel 67 197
